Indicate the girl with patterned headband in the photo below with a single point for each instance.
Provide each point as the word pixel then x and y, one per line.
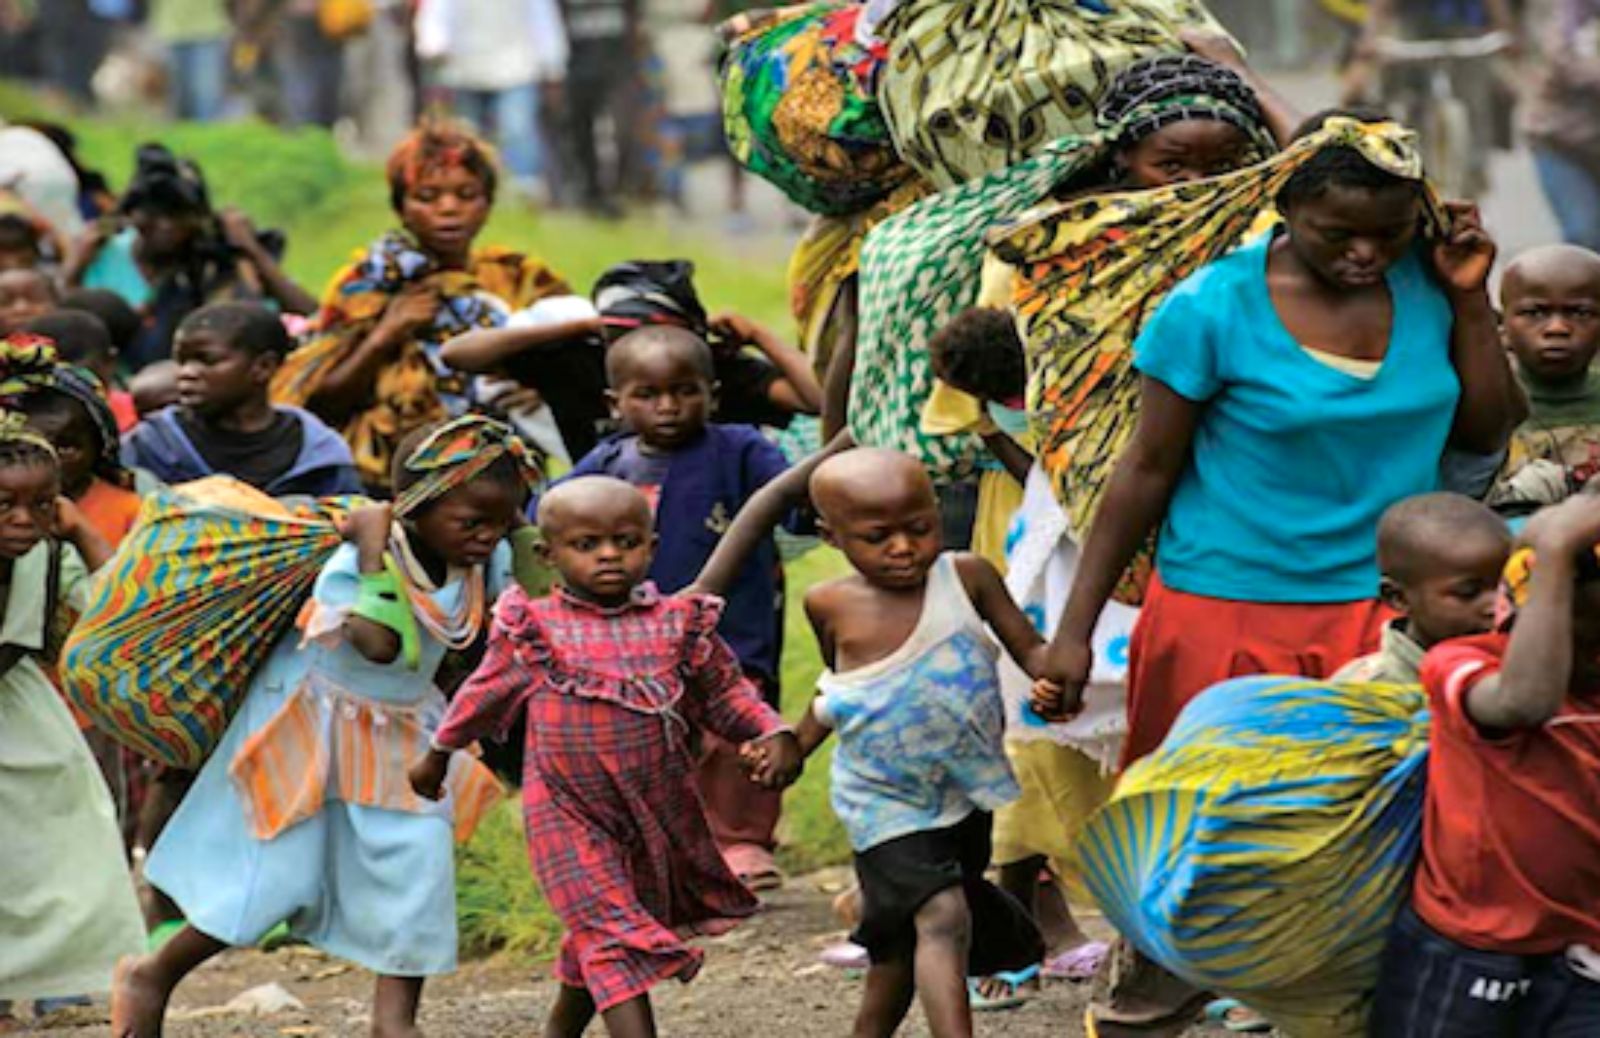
pixel 70 903
pixel 303 813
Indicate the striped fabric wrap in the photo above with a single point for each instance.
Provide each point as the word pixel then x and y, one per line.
pixel 329 743
pixel 1263 851
pixel 197 596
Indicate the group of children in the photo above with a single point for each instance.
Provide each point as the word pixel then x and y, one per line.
pixel 646 683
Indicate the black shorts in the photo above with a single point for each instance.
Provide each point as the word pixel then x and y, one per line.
pixel 899 877
pixel 1430 985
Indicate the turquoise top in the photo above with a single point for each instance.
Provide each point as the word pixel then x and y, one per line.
pixel 1293 461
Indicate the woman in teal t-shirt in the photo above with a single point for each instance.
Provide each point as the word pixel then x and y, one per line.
pixel 1292 391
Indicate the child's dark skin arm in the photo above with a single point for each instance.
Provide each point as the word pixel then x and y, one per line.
pixel 1135 501
pixel 810 732
pixel 368 527
pixel 841 363
pixel 798 391
pixel 761 513
pixel 1492 404
pixel 1536 674
pixel 1008 452
pixel 348 385
pixel 487 349
pixel 994 603
pixel 74 527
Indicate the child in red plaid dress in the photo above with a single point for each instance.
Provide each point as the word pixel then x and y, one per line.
pixel 614 678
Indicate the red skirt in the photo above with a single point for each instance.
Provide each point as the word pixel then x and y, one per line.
pixel 1183 644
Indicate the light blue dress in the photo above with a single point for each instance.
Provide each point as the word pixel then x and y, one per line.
pixel 367 884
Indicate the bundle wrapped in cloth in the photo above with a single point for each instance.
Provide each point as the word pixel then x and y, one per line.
pixel 197 596
pixel 800 107
pixel 1263 851
pixel 974 86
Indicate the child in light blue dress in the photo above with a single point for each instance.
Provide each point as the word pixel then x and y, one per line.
pixel 303 814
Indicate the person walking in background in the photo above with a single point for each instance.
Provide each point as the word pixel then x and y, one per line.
pixel 310 62
pixel 1559 116
pixel 605 49
pixel 495 58
pixel 195 34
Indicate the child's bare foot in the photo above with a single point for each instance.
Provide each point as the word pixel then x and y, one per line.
pixel 393 1029
pixel 138 1002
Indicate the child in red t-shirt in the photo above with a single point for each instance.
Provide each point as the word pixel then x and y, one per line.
pixel 1502 937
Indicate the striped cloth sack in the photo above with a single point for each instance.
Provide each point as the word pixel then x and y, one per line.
pixel 197 596
pixel 1263 851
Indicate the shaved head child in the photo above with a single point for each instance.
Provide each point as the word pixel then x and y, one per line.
pixel 1550 298
pixel 913 690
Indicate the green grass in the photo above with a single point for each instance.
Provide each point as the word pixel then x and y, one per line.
pixel 329 207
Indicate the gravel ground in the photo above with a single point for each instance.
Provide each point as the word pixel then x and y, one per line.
pixel 763 978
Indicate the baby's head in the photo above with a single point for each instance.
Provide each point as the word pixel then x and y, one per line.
pixel 30 483
pixel 1550 298
pixel 663 385
pixel 155 387
pixel 226 355
pixel 460 486
pixel 20 244
pixel 24 295
pixel 600 535
pixel 878 507
pixel 979 352
pixel 1442 556
pixel 121 320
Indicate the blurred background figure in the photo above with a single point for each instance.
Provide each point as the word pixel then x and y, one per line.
pixel 1560 118
pixel 494 61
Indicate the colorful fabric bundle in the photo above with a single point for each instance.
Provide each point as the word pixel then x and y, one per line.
pixel 196 598
pixel 827 256
pixel 919 269
pixel 1090 271
pixel 416 387
pixel 974 86
pixel 800 109
pixel 1264 850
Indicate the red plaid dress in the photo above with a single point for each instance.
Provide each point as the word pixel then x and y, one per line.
pixel 616 829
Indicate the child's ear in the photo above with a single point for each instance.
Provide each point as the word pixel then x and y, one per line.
pixel 825 532
pixel 265 366
pixel 1394 596
pixel 611 403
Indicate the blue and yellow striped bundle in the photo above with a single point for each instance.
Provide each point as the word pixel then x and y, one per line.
pixel 195 599
pixel 1264 849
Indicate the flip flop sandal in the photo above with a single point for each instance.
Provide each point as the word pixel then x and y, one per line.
pixel 1013 980
pixel 846 955
pixel 1075 964
pixel 1237 1017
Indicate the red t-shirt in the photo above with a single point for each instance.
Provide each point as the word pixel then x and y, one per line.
pixel 1511 838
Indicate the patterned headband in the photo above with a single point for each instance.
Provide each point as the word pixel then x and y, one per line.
pixel 458 451
pixel 14 429
pixel 30 363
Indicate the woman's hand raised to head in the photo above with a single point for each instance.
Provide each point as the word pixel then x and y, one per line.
pixel 1466 255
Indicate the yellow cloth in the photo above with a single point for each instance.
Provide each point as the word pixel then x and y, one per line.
pixel 1061 789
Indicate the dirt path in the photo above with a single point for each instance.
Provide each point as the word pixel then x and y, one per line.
pixel 762 979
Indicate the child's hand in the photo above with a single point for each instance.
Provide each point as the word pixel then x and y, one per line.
pixel 1051 702
pixel 369 525
pixel 70 520
pixel 428 774
pixel 1566 529
pixel 735 329
pixel 1467 254
pixel 413 309
pixel 774 762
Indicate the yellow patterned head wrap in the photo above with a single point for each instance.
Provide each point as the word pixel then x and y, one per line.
pixel 1092 269
pixel 14 429
pixel 458 451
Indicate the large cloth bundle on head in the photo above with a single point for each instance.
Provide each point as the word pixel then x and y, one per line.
pixel 1089 273
pixel 196 598
pixel 1264 849
pixel 974 86
pixel 800 108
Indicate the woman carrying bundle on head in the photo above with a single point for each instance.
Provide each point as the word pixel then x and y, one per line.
pixel 303 813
